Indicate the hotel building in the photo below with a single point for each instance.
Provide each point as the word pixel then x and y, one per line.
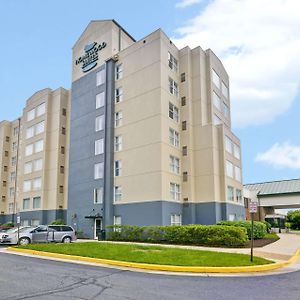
pixel 150 137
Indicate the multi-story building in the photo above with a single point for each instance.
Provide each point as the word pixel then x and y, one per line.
pixel 34 157
pixel 150 133
pixel 150 139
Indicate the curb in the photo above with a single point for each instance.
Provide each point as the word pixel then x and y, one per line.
pixel 168 268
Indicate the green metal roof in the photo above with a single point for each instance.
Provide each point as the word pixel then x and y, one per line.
pixel 275 187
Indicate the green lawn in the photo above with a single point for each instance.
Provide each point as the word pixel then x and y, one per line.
pixel 150 254
pixel 272 235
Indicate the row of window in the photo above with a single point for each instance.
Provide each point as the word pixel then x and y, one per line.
pixel 36 112
pixel 35 129
pixel 220 105
pixel 33 222
pixel 33 166
pixel 34 204
pixel 34 184
pixel 220 84
pixel 101 75
pixel 36 147
pixel 233 171
pixel 234 195
pixel 232 148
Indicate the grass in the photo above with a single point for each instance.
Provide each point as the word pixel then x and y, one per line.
pixel 272 236
pixel 150 254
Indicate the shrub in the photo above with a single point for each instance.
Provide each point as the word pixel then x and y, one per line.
pixel 268 226
pixel 294 218
pixel 211 235
pixel 259 228
pixel 58 222
pixel 8 224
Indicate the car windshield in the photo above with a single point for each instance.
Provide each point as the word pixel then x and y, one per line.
pixel 15 229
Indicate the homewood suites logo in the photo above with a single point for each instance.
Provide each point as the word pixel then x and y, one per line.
pixel 89 59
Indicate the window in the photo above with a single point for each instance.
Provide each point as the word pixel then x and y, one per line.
pixel 36 203
pixel 229 169
pixel 10 208
pixel 98 195
pixel 184 125
pixel 238 195
pixel 16 131
pixel 38 164
pixel 215 78
pixel 182 77
pixel 231 217
pixel 4 183
pixel 228 144
pixel 29 150
pixel 63 130
pixel 61 189
pixel 176 220
pixel 185 176
pixel 40 110
pixel 118 118
pixel 24 222
pixel 26 186
pixel 98 170
pixel 183 101
pixel 225 90
pixel 118 168
pixel 119 71
pixel 118 143
pixel 5 168
pixel 14 146
pixel 30 115
pixel 184 150
pixel 217 101
pixel 174 164
pixel 117 221
pixel 100 100
pixel 100 77
pixel 35 222
pixel 3 198
pixel 62 170
pixel 225 110
pixel 40 127
pixel 30 132
pixel 117 193
pixel 230 193
pixel 6 153
pixel 62 150
pixel 12 192
pixel 13 161
pixel 28 167
pixel 173 137
pixel 172 62
pixel 175 191
pixel 7 138
pixel 99 147
pixel 236 151
pixel 37 183
pixel 118 95
pixel 173 112
pixel 216 120
pixel 26 203
pixel 64 112
pixel 237 173
pixel 99 123
pixel 173 87
pixel 39 146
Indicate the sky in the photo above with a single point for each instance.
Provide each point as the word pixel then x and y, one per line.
pixel 257 41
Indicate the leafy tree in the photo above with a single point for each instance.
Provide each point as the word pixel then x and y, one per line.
pixel 58 222
pixel 294 218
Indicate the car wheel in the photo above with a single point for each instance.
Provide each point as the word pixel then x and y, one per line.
pixel 24 241
pixel 67 240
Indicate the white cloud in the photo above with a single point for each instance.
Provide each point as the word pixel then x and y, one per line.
pixel 281 156
pixel 259 45
pixel 186 3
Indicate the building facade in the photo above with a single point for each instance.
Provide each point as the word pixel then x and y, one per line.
pixel 147 138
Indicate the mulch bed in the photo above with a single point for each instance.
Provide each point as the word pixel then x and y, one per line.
pixel 260 243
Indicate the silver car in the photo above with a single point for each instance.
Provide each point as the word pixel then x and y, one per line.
pixel 40 234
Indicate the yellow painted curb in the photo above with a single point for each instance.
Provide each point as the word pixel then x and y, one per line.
pixel 169 268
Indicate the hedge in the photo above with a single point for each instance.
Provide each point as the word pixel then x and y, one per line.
pixel 210 235
pixel 260 229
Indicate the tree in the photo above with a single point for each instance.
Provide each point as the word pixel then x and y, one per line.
pixel 294 218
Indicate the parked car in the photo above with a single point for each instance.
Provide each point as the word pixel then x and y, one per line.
pixel 39 234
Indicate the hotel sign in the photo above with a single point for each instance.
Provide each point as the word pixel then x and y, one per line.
pixel 90 57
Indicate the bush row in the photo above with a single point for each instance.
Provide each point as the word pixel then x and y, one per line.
pixel 259 230
pixel 211 235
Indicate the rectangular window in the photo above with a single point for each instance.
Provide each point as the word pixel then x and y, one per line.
pixel 6 153
pixel 173 137
pixel 24 222
pixel 175 191
pixel 237 173
pixel 118 118
pixel 38 164
pixel 118 168
pixel 37 183
pixel 30 115
pixel 63 130
pixel 12 176
pixel 28 167
pixel 29 150
pixel 26 203
pixel 62 150
pixel 183 101
pixel 100 100
pixel 13 161
pixel 184 126
pixel 40 127
pixel 30 132
pixel 216 79
pixel 117 220
pixel 185 176
pixel 36 203
pixel 216 120
pixel 173 87
pixel 118 95
pixel 99 123
pixel 14 146
pixel 4 183
pixel 172 62
pixel 117 193
pixel 238 196
pixel 236 151
pixel 35 222
pixel 100 77
pixel 61 189
pixel 225 90
pixel 184 150
pixel 176 220
pixel 98 195
pixel 26 186
pixel 228 144
pixel 12 192
pixel 16 131
pixel 64 112
pixel 7 138
pixel 39 146
pixel 217 101
pixel 99 147
pixel 230 193
pixel 173 112
pixel 225 110
pixel 182 77
pixel 5 168
pixel 119 71
pixel 118 143
pixel 62 170
pixel 229 169
pixel 10 208
pixel 3 198
pixel 98 170
pixel 40 110
pixel 174 164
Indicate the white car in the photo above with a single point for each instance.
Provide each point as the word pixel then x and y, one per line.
pixel 11 235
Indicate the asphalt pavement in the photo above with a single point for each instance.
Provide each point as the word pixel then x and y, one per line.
pixel 33 278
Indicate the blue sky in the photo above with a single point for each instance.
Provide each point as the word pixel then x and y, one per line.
pixel 258 42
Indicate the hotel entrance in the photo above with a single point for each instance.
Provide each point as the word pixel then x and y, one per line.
pixel 97 229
